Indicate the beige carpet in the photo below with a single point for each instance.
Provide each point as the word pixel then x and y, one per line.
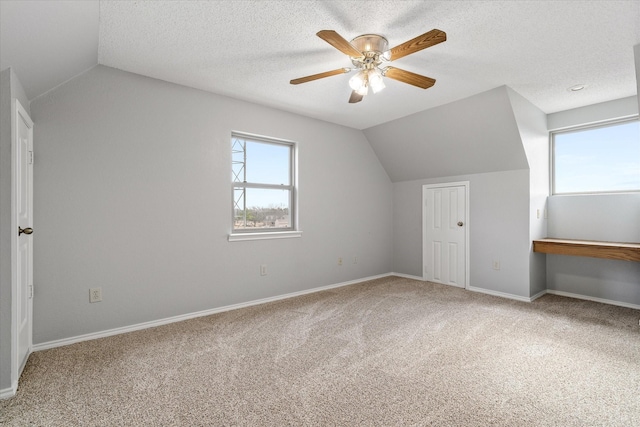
pixel 392 352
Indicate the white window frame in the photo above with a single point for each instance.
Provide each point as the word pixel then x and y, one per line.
pixel 552 168
pixel 268 233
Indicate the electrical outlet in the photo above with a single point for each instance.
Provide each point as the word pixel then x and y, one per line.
pixel 496 265
pixel 340 261
pixel 263 270
pixel 95 294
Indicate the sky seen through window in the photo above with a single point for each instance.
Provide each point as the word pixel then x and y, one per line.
pixel 601 159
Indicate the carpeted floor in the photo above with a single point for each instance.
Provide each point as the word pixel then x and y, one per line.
pixel 388 352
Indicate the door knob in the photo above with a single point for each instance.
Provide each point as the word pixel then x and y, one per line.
pixel 27 230
pixel 460 223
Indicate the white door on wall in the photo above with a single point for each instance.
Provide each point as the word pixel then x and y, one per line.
pixel 23 253
pixel 445 233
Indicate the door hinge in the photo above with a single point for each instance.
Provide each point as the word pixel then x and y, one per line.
pixel 31 157
pixel 30 291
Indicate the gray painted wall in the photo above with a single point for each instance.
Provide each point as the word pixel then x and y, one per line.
pixel 474 135
pixel 10 89
pixel 608 217
pixel 532 125
pixel 475 139
pixel 132 193
pixel 610 110
pixel 593 277
pixel 498 225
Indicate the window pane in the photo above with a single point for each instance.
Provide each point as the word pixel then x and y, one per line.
pixel 265 208
pixel 268 163
pixel 603 159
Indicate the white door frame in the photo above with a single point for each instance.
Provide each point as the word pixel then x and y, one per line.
pixel 426 187
pixel 18 113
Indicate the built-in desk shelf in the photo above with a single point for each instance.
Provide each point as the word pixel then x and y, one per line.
pixel 589 248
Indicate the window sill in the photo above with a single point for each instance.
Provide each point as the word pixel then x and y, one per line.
pixel 239 237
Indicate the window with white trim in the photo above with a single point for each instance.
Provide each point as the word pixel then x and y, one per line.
pixel 263 184
pixel 603 158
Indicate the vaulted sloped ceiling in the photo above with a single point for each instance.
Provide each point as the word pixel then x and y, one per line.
pixel 250 50
pixel 474 135
pixel 48 42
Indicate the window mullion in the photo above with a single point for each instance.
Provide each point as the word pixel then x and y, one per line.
pixel 263 186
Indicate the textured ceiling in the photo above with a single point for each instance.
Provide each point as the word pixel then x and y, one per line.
pixel 251 49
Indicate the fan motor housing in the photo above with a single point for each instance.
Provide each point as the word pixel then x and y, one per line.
pixel 372 46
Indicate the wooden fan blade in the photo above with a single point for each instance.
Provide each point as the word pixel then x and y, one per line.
pixel 337 41
pixel 409 77
pixel 424 41
pixel 355 97
pixel 319 76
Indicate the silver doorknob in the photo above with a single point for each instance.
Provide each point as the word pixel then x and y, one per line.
pixel 27 230
pixel 460 223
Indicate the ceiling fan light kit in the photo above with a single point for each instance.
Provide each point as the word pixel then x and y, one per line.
pixel 375 50
pixel 368 54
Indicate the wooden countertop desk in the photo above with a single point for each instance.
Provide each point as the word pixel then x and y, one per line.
pixel 588 248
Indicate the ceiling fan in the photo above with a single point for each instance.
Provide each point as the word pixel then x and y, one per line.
pixel 369 54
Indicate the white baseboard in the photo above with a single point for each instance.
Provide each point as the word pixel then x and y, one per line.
pixel 534 297
pixel 482 290
pixel 160 322
pixel 595 299
pixel 6 393
pixel 501 294
pixel 407 276
pixel 95 335
pixel 538 295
